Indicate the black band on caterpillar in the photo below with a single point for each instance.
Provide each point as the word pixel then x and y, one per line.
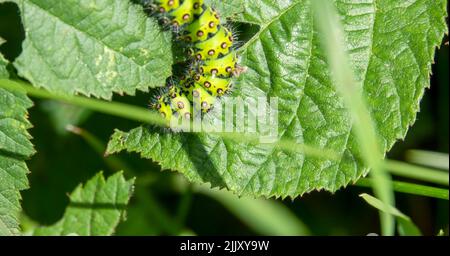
pixel 211 51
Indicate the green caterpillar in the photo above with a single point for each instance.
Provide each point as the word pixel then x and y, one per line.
pixel 212 51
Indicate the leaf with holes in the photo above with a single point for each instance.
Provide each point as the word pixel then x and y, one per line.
pixel 94 209
pixel 391 46
pixel 92 47
pixel 15 147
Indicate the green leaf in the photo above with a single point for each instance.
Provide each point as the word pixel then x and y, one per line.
pixel 15 147
pixel 95 209
pixel 405 225
pixel 391 46
pixel 92 47
pixel 227 8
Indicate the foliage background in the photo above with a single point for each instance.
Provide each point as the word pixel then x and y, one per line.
pixel 165 204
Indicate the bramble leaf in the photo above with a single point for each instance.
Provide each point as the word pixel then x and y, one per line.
pixel 391 46
pixel 95 209
pixel 15 147
pixel 92 47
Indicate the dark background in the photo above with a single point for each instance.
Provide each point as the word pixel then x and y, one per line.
pixel 64 160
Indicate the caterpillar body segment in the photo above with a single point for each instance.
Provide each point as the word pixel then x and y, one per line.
pixel 202 99
pixel 215 85
pixel 201 29
pixel 214 47
pixel 180 103
pixel 223 67
pixel 167 6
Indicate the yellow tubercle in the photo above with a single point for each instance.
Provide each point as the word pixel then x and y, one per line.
pixel 184 14
pixel 167 5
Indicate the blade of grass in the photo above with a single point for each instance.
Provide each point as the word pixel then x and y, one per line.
pixel 417 172
pixel 410 188
pixel 331 30
pixel 428 158
pixel 405 225
pixel 112 108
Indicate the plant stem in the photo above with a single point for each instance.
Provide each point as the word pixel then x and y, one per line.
pixel 112 108
pixel 417 172
pixel 428 158
pixel 411 188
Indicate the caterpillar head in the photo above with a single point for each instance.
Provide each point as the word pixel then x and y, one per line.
pixel 161 104
pixel 187 85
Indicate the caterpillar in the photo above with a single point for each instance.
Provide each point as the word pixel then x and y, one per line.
pixel 211 52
